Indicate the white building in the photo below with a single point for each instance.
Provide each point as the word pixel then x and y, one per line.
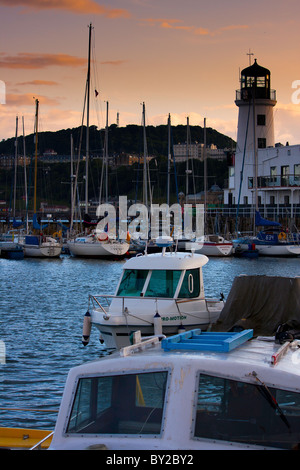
pixel 196 150
pixel 270 173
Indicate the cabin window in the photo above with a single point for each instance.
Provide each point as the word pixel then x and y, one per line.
pixel 132 282
pixel 191 284
pixel 240 412
pixel 120 404
pixel 163 283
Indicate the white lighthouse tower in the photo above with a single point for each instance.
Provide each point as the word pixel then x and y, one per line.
pixel 262 175
pixel 255 101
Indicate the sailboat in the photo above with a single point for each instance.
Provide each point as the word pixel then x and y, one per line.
pixel 37 244
pixel 209 244
pixel 272 240
pixel 94 244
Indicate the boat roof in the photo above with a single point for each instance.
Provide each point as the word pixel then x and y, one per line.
pixel 248 356
pixel 167 261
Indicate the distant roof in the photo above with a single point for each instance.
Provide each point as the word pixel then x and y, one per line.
pixel 255 70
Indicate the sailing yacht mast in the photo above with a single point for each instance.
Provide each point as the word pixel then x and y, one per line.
pixel 16 162
pixel 106 155
pixel 25 175
pixel 145 189
pixel 169 160
pixel 205 177
pixel 187 156
pixel 36 150
pixel 87 154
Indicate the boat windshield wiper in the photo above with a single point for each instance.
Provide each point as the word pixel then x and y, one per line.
pixel 264 390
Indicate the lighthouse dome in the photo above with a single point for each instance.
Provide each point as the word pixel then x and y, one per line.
pixel 255 80
pixel 255 70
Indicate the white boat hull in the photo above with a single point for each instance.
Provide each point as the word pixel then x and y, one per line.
pixel 43 251
pixel 280 249
pixel 210 248
pixel 115 329
pixel 97 249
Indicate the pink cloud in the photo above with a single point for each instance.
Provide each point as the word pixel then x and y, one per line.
pixel 27 99
pixel 74 6
pixel 38 83
pixel 25 60
pixel 199 31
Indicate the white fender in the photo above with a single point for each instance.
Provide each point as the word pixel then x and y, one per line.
pixel 86 330
pixel 157 324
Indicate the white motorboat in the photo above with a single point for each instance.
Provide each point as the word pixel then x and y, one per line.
pixel 156 291
pixel 193 391
pixel 92 246
pixel 211 245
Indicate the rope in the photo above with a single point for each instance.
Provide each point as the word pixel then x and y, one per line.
pixel 28 409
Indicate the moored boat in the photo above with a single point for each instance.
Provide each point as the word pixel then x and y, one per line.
pixel 91 246
pixel 272 240
pixel 156 292
pixel 11 250
pixel 193 391
pixel 38 246
pixel 211 245
pixel 25 439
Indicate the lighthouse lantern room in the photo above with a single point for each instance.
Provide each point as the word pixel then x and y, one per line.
pixel 255 101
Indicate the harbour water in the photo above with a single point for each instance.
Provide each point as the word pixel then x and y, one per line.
pixel 42 305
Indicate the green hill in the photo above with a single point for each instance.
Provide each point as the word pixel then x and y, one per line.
pixel 127 139
pixel 54 178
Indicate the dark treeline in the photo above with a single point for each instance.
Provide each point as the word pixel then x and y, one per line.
pixel 53 181
pixel 127 139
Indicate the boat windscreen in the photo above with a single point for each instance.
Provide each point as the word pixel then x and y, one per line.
pixel 163 283
pixel 132 282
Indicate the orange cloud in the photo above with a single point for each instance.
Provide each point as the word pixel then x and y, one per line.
pixel 113 62
pixel 168 23
pixel 201 31
pixel 38 83
pixel 26 60
pixel 175 24
pixel 74 6
pixel 27 99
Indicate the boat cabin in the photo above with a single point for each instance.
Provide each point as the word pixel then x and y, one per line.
pixel 195 390
pixel 156 292
pixel 177 275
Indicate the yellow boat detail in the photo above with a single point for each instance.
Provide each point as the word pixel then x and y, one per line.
pixel 19 438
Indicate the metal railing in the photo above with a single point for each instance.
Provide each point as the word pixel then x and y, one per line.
pixel 210 302
pixel 287 181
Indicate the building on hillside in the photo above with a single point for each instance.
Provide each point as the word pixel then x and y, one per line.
pixel 196 150
pixel 262 174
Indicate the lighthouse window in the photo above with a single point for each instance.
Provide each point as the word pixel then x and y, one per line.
pixel 261 143
pixel 261 81
pixel 261 119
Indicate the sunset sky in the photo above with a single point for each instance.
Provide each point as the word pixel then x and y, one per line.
pixel 179 57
